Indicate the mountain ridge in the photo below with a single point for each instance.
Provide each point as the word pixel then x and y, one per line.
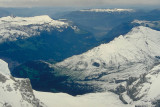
pixel 112 62
pixel 14 28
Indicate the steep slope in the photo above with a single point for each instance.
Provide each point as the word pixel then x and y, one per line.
pixel 144 91
pixel 16 92
pixel 129 55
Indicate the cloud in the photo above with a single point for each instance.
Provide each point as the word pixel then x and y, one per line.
pixel 31 3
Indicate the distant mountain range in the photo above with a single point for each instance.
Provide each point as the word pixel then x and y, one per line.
pixel 102 21
pixel 33 38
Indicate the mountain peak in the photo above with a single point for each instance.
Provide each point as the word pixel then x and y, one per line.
pixel 138 39
pixel 135 51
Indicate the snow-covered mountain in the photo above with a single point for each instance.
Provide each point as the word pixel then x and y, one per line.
pixel 13 28
pixel 109 64
pixel 144 91
pixel 108 10
pixel 16 92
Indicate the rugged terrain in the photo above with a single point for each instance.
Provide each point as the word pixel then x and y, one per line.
pixel 16 92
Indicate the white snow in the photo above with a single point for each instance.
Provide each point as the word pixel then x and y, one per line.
pixel 13 91
pixel 30 20
pixel 153 84
pixel 139 45
pixel 147 90
pixel 108 10
pixel 106 99
pixel 12 28
pixel 4 68
pixel 12 97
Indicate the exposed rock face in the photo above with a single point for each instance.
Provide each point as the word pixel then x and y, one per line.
pixel 143 91
pixel 16 92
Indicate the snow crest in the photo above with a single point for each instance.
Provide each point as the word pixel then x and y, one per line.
pixel 140 45
pixel 107 10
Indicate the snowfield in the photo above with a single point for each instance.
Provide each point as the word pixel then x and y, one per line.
pixel 4 68
pixel 106 99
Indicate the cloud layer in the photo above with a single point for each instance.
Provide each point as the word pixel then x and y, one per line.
pixel 31 3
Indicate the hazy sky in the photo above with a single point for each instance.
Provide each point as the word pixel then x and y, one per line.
pixel 32 3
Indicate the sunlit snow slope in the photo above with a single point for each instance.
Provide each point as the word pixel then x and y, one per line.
pixel 106 99
pixel 129 55
pixel 13 28
pixel 145 90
